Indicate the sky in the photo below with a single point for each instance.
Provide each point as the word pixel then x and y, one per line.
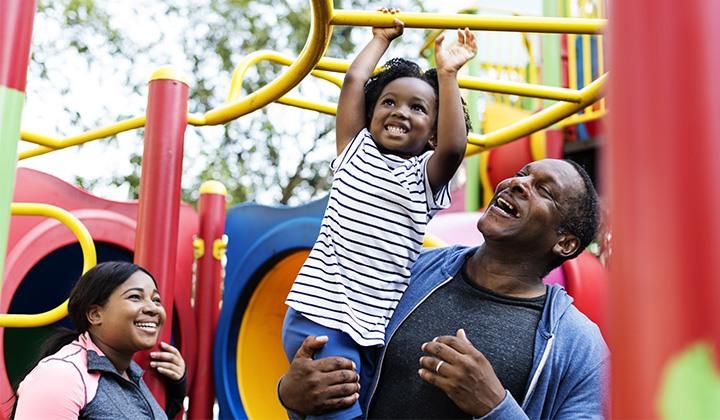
pixel 89 88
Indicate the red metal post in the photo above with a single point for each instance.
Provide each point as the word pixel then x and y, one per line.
pixel 662 164
pixel 16 25
pixel 207 294
pixel 159 207
pixel 16 22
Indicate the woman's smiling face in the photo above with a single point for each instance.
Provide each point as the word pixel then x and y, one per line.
pixel 131 318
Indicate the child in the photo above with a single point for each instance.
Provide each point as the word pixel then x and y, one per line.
pixel 400 138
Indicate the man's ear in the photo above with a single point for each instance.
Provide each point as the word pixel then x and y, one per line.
pixel 95 315
pixel 566 245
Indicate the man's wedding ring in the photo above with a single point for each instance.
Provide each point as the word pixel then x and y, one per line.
pixel 437 367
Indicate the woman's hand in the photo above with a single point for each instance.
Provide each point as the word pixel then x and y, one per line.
pixel 449 61
pixel 168 362
pixel 389 33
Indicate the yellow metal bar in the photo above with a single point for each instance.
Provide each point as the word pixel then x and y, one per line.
pixel 482 142
pixel 507 87
pixel 322 107
pixel 36 151
pixel 39 139
pixel 196 119
pixel 540 120
pixel 336 65
pixel 89 260
pixel 521 89
pixel 477 142
pixel 317 42
pixel 274 56
pixel 471 150
pixel 474 22
pixel 581 118
pixel 98 133
pixel 427 47
pixel 322 18
pixel 318 39
pixel 538 145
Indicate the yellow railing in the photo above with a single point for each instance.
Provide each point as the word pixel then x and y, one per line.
pixel 538 121
pixel 314 49
pixel 474 22
pixel 274 56
pixel 323 17
pixel 89 260
pixel 481 142
pixel 573 100
pixel 502 71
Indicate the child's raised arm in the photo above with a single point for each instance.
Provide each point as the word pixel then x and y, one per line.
pixel 350 117
pixel 451 131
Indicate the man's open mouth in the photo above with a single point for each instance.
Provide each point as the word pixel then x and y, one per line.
pixel 506 207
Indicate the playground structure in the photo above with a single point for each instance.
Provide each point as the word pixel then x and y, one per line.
pixel 255 294
pixel 268 245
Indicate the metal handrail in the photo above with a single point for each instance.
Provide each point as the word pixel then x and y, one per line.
pixel 89 260
pixel 323 18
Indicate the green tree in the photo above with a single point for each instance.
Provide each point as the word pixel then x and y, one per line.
pixel 268 155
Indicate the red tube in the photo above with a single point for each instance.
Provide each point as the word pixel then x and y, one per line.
pixel 207 295
pixel 663 162
pixel 159 207
pixel 16 24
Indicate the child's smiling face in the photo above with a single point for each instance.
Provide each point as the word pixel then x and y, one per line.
pixel 404 117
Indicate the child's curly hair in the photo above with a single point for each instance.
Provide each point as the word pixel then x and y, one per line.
pixel 396 68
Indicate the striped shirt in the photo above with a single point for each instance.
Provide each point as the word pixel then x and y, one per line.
pixel 371 234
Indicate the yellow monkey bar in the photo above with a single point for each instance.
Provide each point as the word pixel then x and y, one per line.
pixel 474 22
pixel 323 17
pixel 89 260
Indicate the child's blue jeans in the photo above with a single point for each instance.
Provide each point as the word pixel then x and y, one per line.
pixel 296 328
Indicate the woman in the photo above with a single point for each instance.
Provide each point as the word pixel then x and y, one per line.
pixel 89 373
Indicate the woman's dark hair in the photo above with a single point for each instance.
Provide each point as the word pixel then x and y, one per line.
pixel 93 288
pixel 396 68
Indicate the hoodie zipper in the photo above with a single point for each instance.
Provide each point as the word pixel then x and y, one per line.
pixel 382 356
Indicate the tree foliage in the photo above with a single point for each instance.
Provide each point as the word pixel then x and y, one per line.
pixel 274 155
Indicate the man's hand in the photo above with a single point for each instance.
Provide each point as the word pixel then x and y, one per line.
pixel 318 386
pixel 450 61
pixel 462 372
pixel 389 34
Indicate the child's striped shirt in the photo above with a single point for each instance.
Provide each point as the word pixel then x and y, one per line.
pixel 371 234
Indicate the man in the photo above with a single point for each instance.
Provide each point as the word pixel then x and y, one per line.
pixel 477 333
